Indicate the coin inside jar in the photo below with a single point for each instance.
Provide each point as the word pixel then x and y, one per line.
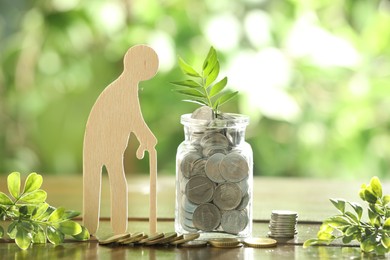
pixel 234 167
pixel 212 168
pixel 234 221
pixel 206 217
pixel 227 196
pixel 188 162
pixel 200 189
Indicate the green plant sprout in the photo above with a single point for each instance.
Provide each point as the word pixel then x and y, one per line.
pixel 201 88
pixel 32 220
pixel 373 235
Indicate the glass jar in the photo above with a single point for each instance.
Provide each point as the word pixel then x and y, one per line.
pixel 214 177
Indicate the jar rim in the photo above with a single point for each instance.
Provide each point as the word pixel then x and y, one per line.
pixel 237 120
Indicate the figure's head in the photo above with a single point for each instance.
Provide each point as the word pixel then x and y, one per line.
pixel 141 62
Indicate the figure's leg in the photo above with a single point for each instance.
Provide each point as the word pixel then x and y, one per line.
pixel 92 180
pixel 118 188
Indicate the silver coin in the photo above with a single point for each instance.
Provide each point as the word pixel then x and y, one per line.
pixel 198 168
pixel 188 205
pixel 234 221
pixel 284 213
pixel 206 217
pixel 187 163
pixel 227 196
pixel 200 189
pixel 214 140
pixel 244 186
pixel 234 167
pixel 244 202
pixel 212 168
pixel 211 150
pixel 183 183
pixel 186 214
pixel 203 113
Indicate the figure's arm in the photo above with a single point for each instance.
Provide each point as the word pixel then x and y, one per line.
pixel 146 139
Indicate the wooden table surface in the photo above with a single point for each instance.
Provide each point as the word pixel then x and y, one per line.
pixel 309 197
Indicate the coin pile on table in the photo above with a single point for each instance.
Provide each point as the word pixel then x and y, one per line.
pixel 213 178
pixel 283 224
pixel 162 239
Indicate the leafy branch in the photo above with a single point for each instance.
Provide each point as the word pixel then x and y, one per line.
pixel 201 89
pixel 32 219
pixel 373 236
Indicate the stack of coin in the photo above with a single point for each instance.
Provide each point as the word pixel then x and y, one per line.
pixel 283 224
pixel 213 178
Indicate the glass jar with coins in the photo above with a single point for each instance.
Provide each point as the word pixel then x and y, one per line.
pixel 214 175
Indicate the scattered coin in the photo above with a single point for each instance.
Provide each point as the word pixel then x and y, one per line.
pixel 227 196
pixel 187 237
pixel 221 242
pixel 206 217
pixel 200 189
pixel 114 238
pixel 234 167
pixel 195 243
pixel 151 238
pixel 165 239
pixel 136 237
pixel 260 242
pixel 234 221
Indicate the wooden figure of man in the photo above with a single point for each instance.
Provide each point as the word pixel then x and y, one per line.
pixel 113 117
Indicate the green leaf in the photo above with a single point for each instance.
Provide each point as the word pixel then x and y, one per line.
pixel 369 196
pixel 70 227
pixel 190 92
pixel 352 230
pixel 4 199
pixel 23 237
pixel 187 69
pixel 33 182
pixel 69 214
pixel 339 204
pixel 212 76
pixel 386 225
pixel 187 83
pixel 352 217
pixel 337 221
pixel 325 236
pixel 361 192
pixel 218 87
pixel 368 245
pixel 40 210
pixel 37 196
pixel 310 242
pixel 1 231
pixel 385 241
pixel 380 250
pixel 13 182
pixel 55 236
pixel 11 231
pixel 197 101
pixel 210 61
pixel 357 208
pixel 225 98
pixel 376 186
pixel 56 215
pixel 347 239
pixel 23 210
pixel 373 217
pixel 83 235
pixel 39 236
pixel 386 200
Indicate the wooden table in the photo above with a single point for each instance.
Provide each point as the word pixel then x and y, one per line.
pixel 309 197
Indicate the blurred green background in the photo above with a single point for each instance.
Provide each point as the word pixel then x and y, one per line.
pixel 313 75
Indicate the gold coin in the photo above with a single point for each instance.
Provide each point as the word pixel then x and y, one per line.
pixel 187 237
pixel 165 239
pixel 260 242
pixel 151 238
pixel 134 238
pixel 226 246
pixel 177 238
pixel 114 238
pixel 224 242
pixel 197 243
